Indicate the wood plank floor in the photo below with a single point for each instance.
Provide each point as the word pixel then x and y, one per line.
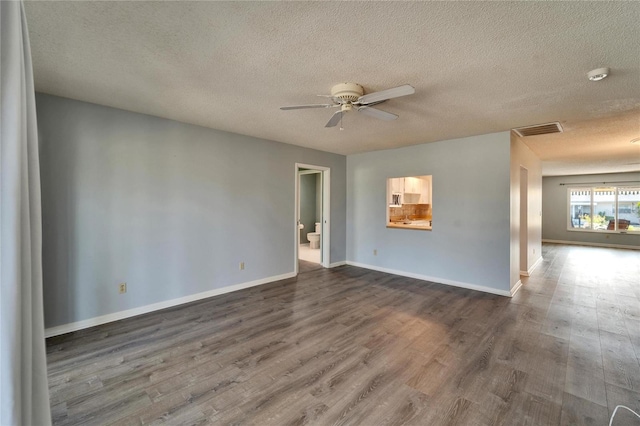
pixel 305 266
pixel 353 346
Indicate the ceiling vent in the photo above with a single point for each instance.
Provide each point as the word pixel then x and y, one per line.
pixel 539 129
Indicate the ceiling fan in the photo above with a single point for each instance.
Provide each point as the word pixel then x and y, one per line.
pixel 350 96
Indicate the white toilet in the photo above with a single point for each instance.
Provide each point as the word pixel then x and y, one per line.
pixel 314 237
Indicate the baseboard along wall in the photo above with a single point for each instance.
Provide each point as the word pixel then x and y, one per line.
pixel 528 272
pixel 103 319
pixel 435 279
pixel 589 244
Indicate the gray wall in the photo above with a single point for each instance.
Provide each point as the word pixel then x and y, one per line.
pixel 308 205
pixel 470 241
pixel 167 207
pixel 554 210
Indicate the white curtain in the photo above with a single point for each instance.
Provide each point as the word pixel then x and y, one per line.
pixel 24 393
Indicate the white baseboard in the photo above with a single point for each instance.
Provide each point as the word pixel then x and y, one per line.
pixel 534 266
pixel 515 288
pixel 335 264
pixel 432 279
pixel 91 322
pixel 589 244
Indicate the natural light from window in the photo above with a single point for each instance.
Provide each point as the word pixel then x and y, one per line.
pixel 604 209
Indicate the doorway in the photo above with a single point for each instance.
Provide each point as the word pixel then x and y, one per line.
pixel 312 186
pixel 524 218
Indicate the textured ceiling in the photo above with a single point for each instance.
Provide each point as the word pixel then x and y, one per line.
pixel 599 146
pixel 478 67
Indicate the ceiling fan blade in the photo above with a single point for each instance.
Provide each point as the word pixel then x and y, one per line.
pixel 383 95
pixel 377 113
pixel 336 101
pixel 286 108
pixel 335 119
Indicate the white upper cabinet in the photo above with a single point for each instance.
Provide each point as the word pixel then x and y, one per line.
pixel 409 190
pixel 397 185
pixel 412 185
pixel 425 193
pixel 417 190
pixel 396 191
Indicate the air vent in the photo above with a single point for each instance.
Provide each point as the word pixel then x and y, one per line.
pixel 539 129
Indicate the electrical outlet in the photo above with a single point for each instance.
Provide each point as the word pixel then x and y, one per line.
pixel 534 251
pixel 122 288
pixel 375 252
pixel 241 266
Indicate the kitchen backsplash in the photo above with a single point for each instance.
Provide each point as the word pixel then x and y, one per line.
pixel 413 211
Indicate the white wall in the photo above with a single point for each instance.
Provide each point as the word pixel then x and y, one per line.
pixel 522 156
pixel 167 207
pixel 554 210
pixel 470 242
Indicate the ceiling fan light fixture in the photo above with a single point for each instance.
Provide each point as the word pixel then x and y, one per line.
pixel 350 96
pixel 598 74
pixel 347 92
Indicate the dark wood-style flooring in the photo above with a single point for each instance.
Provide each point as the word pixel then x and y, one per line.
pixel 305 266
pixel 354 346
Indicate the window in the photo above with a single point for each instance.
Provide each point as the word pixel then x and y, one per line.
pixel 604 209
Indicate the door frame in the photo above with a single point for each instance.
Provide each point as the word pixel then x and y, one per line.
pixel 325 232
pixel 523 237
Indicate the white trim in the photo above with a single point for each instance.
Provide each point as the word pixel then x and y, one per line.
pixel 603 231
pixel 309 172
pixel 523 218
pixel 325 239
pixel 336 264
pixel 91 322
pixel 433 279
pixel 515 288
pixel 296 217
pixel 326 217
pixel 590 244
pixel 534 266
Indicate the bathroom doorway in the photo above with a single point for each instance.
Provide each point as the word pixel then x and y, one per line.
pixel 312 217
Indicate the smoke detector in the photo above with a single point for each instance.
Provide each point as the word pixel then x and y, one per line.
pixel 598 74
